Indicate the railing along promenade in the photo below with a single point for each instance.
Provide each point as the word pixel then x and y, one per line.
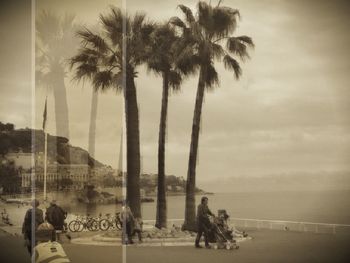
pixel 321 228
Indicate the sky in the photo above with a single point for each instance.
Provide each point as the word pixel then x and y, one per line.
pixel 287 116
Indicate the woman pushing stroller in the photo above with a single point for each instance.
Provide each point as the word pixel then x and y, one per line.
pixel 203 222
pixel 218 231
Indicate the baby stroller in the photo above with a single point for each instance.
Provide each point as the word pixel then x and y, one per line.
pixel 220 234
pixel 47 249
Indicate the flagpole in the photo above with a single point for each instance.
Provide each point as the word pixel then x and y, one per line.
pixel 45 164
pixel 45 147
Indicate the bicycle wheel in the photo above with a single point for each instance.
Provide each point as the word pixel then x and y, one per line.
pixel 71 226
pixel 118 224
pixel 79 226
pixel 92 225
pixel 104 225
pixel 75 226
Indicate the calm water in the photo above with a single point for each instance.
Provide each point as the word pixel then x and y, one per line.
pixel 314 206
pixel 321 207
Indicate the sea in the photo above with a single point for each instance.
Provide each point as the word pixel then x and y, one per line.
pixel 326 206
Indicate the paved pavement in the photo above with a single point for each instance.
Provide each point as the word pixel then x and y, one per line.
pixel 266 246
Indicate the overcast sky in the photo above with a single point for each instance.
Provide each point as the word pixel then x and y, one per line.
pixel 288 114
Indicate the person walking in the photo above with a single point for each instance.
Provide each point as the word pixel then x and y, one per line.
pixel 55 215
pixel 203 223
pixel 27 226
pixel 127 219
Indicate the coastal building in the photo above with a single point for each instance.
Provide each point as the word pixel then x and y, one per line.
pixel 26 160
pixel 20 159
pixel 77 176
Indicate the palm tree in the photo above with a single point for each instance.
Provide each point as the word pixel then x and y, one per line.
pixel 164 61
pixel 54 44
pixel 110 59
pixel 205 33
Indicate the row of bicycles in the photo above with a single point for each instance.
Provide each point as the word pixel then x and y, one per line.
pixel 90 223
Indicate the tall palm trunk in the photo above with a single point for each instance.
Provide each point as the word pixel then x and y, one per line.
pixel 190 209
pixel 92 128
pixel 61 114
pixel 61 105
pixel 132 147
pixel 92 133
pixel 161 218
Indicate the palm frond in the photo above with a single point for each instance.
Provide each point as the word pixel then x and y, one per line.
pixel 246 40
pixel 211 77
pixel 224 21
pixel 146 29
pixel 217 51
pixel 137 21
pixel 205 15
pixel 93 40
pixel 85 55
pixel 47 27
pixel 155 64
pixel 175 80
pixel 117 81
pixel 113 25
pixel 187 61
pixel 112 60
pixel 238 47
pixel 67 22
pixel 231 64
pixel 102 80
pixel 188 13
pixel 139 43
pixel 85 71
pixel 176 21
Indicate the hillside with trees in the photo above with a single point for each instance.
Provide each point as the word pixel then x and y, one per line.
pixel 59 149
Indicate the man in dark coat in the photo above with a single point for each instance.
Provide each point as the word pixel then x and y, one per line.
pixel 28 225
pixel 203 222
pixel 55 215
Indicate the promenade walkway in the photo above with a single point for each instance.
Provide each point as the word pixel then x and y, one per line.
pixel 266 246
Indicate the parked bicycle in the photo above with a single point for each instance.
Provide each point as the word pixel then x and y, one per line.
pixel 111 222
pixel 83 222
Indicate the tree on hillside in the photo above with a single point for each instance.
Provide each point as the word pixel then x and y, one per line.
pixel 110 59
pixel 10 180
pixel 205 34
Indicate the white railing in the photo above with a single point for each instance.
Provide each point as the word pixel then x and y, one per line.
pixel 290 225
pixel 278 225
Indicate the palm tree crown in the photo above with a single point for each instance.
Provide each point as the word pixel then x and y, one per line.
pixel 204 33
pixel 117 50
pixel 163 56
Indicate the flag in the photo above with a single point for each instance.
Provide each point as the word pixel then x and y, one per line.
pixel 45 115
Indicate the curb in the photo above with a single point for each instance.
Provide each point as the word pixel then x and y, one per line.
pixel 145 240
pixel 103 241
pixel 12 230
